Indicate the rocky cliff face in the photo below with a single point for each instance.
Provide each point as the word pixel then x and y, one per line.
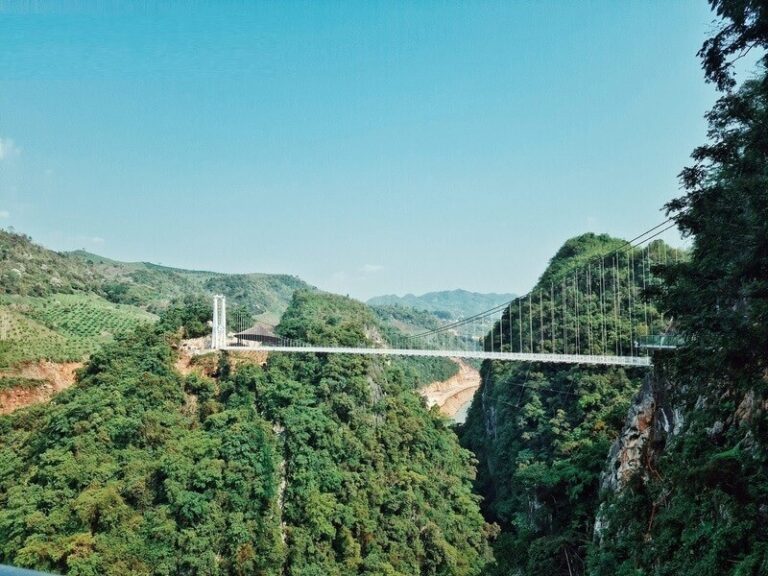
pixel 686 478
pixel 541 434
pixel 651 422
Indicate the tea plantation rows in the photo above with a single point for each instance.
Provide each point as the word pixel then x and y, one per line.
pixel 62 327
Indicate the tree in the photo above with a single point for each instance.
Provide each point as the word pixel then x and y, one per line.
pixel 744 26
pixel 725 206
pixel 700 507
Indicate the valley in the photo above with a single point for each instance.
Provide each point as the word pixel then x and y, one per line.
pixel 600 410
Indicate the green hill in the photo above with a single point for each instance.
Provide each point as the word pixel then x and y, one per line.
pixel 63 306
pixel 313 464
pixel 542 431
pixel 27 269
pixel 406 319
pixel 154 286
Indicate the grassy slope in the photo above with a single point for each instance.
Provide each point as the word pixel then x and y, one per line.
pixel 61 327
pixel 28 269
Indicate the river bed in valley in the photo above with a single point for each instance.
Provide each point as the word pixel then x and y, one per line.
pixel 454 395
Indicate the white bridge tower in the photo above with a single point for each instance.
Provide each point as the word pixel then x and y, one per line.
pixel 219 327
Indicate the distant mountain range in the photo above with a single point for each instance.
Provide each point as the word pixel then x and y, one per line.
pixel 447 304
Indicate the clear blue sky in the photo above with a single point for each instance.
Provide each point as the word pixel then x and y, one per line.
pixel 367 147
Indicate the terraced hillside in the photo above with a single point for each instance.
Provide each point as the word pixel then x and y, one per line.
pixel 61 327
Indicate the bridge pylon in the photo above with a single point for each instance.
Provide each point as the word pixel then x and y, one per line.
pixel 219 325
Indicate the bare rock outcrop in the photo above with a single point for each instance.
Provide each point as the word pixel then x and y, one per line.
pixel 651 422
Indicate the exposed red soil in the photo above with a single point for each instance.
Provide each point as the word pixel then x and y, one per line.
pixel 54 378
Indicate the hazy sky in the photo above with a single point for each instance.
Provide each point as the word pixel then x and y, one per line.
pixel 366 147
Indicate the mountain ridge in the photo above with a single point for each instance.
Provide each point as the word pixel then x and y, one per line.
pixel 454 304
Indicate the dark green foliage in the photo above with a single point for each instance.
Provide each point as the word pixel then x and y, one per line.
pixel 727 211
pixel 127 474
pixel 424 371
pixel 743 27
pixel 189 315
pixel 326 465
pixel 546 319
pixel 701 510
pixel 541 434
pixel 329 319
pixel 578 252
pixel 375 484
pixel 338 320
pixel 121 293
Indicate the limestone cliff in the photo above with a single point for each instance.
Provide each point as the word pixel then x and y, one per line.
pixel 651 422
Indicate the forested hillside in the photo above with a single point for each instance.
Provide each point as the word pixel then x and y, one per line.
pixel 27 269
pixel 683 491
pixel 264 296
pixel 309 465
pixel 406 319
pixel 589 318
pixel 698 501
pixel 61 307
pixel 159 458
pixel 541 432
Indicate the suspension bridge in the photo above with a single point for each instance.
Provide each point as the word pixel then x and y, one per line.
pixel 597 312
